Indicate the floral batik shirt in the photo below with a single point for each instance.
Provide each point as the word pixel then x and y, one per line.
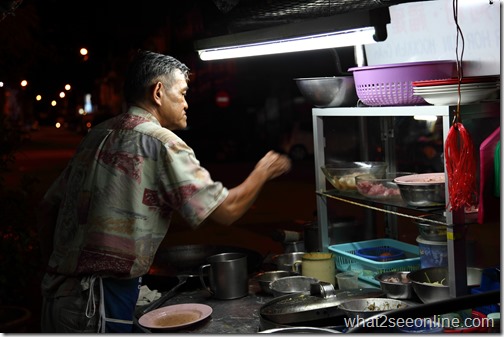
pixel 118 193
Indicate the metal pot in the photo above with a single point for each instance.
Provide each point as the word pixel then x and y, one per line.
pixel 286 261
pixel 186 259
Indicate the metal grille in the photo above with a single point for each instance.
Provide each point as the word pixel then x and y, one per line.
pixel 253 14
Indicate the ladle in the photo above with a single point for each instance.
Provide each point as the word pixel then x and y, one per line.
pixel 182 279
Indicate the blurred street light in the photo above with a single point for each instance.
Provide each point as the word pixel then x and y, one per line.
pixel 84 53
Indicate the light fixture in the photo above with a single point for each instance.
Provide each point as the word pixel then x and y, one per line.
pixel 348 29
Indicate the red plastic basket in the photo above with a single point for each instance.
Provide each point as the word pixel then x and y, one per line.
pixel 479 328
pixel 391 84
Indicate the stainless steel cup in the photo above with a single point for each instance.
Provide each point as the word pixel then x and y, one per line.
pixel 227 275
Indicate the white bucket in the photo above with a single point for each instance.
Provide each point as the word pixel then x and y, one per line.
pixel 432 253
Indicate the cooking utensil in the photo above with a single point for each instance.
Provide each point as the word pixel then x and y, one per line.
pixel 423 282
pixel 166 296
pixel 227 275
pixel 302 307
pixel 265 278
pixel 186 259
pixel 429 230
pixel 422 190
pixel 395 284
pixel 286 261
pixel 325 92
pixel 430 284
pixel 292 284
pixel 363 308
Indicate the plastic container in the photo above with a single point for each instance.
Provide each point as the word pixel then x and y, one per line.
pixel 485 309
pixel 432 253
pixel 391 84
pixel 347 280
pixel 494 322
pixel 381 254
pixel 346 258
pixel 421 326
pixel 479 326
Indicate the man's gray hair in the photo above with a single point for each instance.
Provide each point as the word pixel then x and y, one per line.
pixel 146 69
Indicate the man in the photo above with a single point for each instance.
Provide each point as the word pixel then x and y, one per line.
pixel 103 219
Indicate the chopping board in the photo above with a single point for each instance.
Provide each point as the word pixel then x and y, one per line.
pixel 488 202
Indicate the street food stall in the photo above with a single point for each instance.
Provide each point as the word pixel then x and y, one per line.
pixel 404 76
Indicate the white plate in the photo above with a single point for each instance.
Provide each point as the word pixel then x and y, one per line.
pixel 455 87
pixel 421 179
pixel 446 98
pixel 175 316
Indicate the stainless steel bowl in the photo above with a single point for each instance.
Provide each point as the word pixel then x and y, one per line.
pixel 265 278
pixel 395 284
pixel 324 92
pixel 422 279
pixel 429 230
pixel 286 261
pixel 421 190
pixel 430 284
pixel 366 307
pixel 292 284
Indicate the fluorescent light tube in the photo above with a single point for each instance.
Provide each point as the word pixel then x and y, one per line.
pixel 346 38
pixel 429 118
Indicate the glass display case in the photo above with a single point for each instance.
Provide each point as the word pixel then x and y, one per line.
pixel 400 136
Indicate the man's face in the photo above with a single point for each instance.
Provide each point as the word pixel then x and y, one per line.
pixel 174 104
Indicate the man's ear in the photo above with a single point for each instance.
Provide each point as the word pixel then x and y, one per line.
pixel 157 92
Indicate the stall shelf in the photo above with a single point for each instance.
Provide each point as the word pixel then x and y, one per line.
pixel 456 222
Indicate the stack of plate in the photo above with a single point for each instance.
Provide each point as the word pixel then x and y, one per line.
pixel 445 91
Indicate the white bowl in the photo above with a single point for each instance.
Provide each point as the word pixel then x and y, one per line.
pixel 451 97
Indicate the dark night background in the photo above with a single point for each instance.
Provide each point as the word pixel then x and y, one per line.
pixel 40 42
pixel 43 41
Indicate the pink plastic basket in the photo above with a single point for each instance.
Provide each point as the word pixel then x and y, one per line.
pixel 391 84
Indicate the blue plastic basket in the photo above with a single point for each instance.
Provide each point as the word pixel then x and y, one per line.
pixel 346 258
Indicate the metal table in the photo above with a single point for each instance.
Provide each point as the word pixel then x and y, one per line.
pixel 238 316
